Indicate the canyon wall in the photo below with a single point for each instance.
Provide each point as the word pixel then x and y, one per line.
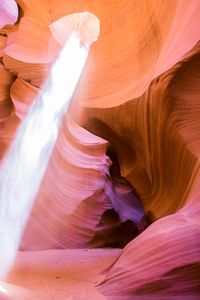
pixel 125 168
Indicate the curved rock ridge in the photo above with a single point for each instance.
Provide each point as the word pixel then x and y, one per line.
pixel 163 262
pixel 77 179
pixel 8 12
pixel 157 148
pixel 64 218
pixel 158 127
pixel 6 107
pixel 145 49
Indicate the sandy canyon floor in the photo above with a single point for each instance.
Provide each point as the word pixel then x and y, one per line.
pixel 57 274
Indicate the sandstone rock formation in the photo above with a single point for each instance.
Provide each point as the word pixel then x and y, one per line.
pixel 125 168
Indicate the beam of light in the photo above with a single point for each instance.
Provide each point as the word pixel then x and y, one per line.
pixel 24 166
pixel 3 290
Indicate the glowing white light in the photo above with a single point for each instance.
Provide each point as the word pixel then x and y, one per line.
pixel 23 169
pixel 65 75
pixel 3 290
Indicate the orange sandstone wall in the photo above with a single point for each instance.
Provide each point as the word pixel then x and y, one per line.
pixel 129 142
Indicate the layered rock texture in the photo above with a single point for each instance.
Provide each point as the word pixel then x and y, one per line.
pixel 125 170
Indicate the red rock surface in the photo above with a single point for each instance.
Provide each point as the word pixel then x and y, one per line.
pixel 129 141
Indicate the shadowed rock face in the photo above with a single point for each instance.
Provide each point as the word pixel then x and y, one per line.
pixel 125 168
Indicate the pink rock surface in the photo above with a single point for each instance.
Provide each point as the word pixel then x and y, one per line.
pixel 8 12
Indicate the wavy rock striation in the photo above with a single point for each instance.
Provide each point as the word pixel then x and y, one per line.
pixel 156 146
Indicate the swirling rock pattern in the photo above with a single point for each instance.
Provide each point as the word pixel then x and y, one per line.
pixel 127 156
pixel 164 171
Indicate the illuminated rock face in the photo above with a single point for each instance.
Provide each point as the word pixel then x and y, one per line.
pixel 162 140
pixel 129 142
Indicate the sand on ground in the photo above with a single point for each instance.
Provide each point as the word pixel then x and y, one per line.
pixel 57 274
